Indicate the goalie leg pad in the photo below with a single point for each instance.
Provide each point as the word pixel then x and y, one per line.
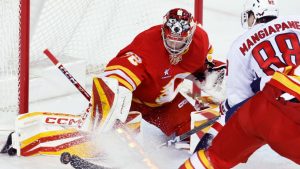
pixel 200 117
pixel 46 133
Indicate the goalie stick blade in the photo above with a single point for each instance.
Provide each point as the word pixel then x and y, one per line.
pixel 79 163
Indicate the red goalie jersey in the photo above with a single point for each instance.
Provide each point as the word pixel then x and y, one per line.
pixel 144 68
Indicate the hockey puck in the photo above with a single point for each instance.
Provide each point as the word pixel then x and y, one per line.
pixel 12 151
pixel 65 158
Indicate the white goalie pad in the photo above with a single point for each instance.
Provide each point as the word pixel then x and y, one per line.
pixel 201 117
pixel 110 102
pixel 209 109
pixel 47 133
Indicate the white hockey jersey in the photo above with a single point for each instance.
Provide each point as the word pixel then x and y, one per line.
pixel 259 52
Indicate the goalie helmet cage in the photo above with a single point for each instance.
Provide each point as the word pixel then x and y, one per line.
pixel 88 32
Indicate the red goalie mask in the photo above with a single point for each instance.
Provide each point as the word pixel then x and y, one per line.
pixel 177 31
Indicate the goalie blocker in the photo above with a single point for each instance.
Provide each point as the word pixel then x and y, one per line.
pixel 110 102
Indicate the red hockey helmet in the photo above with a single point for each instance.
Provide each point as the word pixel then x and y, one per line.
pixel 177 30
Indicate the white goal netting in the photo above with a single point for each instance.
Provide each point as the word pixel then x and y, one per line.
pixel 83 34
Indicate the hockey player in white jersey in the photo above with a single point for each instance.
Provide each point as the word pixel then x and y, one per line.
pixel 257 54
pixel 263 91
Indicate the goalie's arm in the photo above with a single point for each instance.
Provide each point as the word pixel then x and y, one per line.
pixel 128 69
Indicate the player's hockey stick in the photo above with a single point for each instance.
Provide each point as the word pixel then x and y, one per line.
pixel 79 163
pixel 74 82
pixel 189 133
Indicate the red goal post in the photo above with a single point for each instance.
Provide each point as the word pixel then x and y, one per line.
pixel 198 12
pixel 84 33
pixel 14 46
pixel 24 56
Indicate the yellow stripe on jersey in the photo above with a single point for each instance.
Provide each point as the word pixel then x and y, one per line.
pixel 136 100
pixel 287 82
pixel 211 50
pixel 204 159
pixel 188 165
pixel 152 104
pixel 136 80
pixel 123 82
pixel 287 69
pixel 297 77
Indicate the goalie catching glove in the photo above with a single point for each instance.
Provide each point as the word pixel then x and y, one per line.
pixel 212 81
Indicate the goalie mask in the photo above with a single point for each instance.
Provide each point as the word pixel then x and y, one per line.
pixel 177 32
pixel 260 9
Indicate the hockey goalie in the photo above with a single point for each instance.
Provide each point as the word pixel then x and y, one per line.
pixel 145 78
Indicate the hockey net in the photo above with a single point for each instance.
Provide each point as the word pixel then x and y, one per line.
pixel 83 34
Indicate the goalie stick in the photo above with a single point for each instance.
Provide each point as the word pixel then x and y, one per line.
pixel 74 82
pixel 67 74
pixel 189 133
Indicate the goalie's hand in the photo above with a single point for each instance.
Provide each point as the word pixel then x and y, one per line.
pixel 214 82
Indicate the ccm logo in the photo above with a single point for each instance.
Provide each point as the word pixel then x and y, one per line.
pixel 62 121
pixel 182 103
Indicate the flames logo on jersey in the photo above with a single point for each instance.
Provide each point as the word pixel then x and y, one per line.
pixel 169 91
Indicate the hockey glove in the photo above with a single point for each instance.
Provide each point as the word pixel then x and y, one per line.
pixel 214 82
pixel 255 85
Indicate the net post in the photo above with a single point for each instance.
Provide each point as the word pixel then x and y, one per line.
pixel 24 56
pixel 198 11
